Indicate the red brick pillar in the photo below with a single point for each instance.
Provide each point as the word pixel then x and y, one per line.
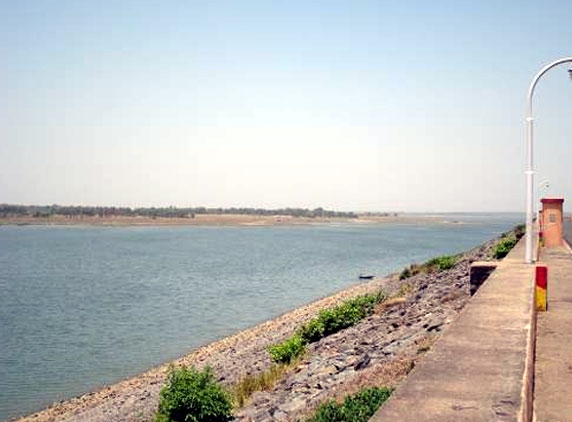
pixel 552 221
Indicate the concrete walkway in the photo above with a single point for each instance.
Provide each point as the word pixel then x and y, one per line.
pixel 567 227
pixel 553 370
pixel 482 367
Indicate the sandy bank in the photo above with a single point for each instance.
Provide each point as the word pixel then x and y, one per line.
pixel 211 220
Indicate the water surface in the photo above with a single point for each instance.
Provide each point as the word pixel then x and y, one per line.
pixel 82 307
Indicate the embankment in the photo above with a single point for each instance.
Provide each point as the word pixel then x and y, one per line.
pixel 379 350
pixel 482 368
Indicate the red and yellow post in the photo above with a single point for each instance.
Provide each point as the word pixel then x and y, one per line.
pixel 541 287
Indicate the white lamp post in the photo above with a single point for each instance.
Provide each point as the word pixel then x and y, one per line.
pixel 529 158
pixel 545 184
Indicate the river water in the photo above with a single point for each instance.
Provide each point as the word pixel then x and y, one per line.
pixel 83 307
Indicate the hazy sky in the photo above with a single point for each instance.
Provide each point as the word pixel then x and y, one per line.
pixel 351 105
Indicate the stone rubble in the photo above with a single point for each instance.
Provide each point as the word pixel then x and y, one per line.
pixel 395 333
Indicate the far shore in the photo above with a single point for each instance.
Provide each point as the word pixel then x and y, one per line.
pixel 216 220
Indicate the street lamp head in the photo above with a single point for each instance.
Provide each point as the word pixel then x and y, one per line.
pixel 570 72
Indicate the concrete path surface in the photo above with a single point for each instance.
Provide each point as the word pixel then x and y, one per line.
pixel 482 367
pixel 567 227
pixel 553 369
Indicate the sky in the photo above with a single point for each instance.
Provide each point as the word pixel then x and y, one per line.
pixel 401 106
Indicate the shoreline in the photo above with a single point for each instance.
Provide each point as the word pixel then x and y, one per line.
pixel 147 384
pixel 220 220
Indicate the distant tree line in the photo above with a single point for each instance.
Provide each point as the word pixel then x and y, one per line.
pixel 8 210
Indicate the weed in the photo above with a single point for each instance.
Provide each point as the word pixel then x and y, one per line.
pixel 440 263
pixel 328 321
pixel 345 315
pixel 251 383
pixel 357 408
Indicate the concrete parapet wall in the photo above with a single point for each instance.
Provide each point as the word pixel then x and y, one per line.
pixel 482 367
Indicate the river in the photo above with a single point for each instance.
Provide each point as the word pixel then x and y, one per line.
pixel 82 307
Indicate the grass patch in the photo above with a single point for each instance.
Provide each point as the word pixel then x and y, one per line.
pixel 357 408
pixel 193 396
pixel 440 263
pixel 264 381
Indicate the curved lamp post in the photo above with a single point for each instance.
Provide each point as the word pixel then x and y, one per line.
pixel 529 159
pixel 545 184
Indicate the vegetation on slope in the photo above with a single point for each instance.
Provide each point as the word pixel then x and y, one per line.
pixel 440 263
pixel 260 382
pixel 357 408
pixel 507 242
pixel 328 321
pixel 193 396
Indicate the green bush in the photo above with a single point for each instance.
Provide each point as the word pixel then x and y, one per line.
pixel 406 273
pixel 503 247
pixel 288 350
pixel 507 241
pixel 357 408
pixel 312 331
pixel 338 318
pixel 193 396
pixel 440 263
pixel 332 320
pixel 327 322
